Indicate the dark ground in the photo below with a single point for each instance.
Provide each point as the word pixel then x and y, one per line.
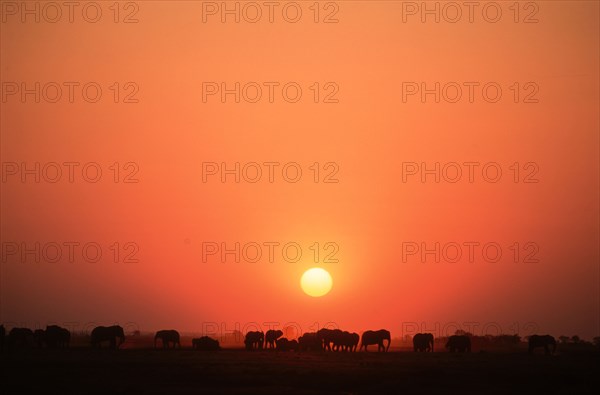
pixel 147 371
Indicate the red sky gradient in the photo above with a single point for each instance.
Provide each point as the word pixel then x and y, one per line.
pixel 170 132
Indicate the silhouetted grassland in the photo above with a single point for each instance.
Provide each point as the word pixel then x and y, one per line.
pixel 235 371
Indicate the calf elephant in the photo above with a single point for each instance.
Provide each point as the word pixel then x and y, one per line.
pixel 57 337
pixel 423 342
pixel 376 337
pixel 110 334
pixel 545 341
pixel 169 336
pixel 205 343
pixel 271 337
pixel 310 342
pixel 254 340
pixel 20 338
pixel 460 343
pixel 284 344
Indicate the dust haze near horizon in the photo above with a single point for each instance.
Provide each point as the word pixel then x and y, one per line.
pixel 152 233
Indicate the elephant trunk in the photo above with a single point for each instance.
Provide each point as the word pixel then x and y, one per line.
pixel 389 340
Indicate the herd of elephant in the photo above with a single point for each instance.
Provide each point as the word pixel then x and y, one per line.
pixel 56 337
pixel 323 340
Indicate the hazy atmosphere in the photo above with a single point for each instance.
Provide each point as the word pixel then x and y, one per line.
pixel 181 171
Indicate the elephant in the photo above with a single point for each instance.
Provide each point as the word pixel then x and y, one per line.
pixel 205 343
pixel 20 338
pixel 2 335
pixel 345 341
pixel 376 337
pixel 350 341
pixel 39 336
pixel 460 343
pixel 271 337
pixel 423 342
pixel 328 336
pixel 57 337
pixel 542 341
pixel 109 334
pixel 166 337
pixel 254 340
pixel 284 344
pixel 310 342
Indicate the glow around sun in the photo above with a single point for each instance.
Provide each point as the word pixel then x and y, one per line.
pixel 316 282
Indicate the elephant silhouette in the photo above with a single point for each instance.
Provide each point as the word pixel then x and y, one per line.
pixel 254 340
pixel 348 341
pixel 19 338
pixel 110 334
pixel 376 337
pixel 271 337
pixel 57 337
pixel 460 343
pixel 343 340
pixel 423 342
pixel 168 336
pixel 310 341
pixel 2 335
pixel 39 336
pixel 328 336
pixel 545 341
pixel 205 343
pixel 284 344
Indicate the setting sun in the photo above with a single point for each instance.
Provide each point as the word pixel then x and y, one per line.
pixel 316 282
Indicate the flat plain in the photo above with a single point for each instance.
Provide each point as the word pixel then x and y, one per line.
pixel 82 370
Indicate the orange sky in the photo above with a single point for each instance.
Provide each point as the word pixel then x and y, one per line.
pixel 370 214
